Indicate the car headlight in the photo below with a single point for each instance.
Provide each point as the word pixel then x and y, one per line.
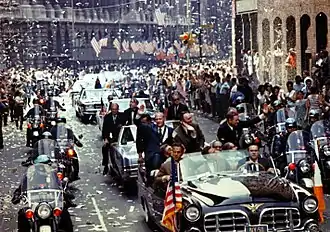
pixel 44 211
pixel 304 166
pixel 310 205
pixel 192 213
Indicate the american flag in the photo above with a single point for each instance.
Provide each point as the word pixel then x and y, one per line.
pixel 96 46
pixel 173 200
pixel 103 42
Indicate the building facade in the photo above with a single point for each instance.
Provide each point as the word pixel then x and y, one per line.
pixel 39 33
pixel 273 27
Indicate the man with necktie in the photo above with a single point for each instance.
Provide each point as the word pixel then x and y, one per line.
pixel 130 113
pixel 112 123
pixel 150 139
pixel 175 110
pixel 254 162
pixel 231 128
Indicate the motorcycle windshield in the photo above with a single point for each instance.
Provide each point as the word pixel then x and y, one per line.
pixel 62 137
pixel 36 112
pixel 246 111
pixel 320 130
pixel 41 177
pixel 280 116
pixel 46 147
pixel 52 106
pixel 297 146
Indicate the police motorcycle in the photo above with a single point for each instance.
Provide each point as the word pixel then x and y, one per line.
pixel 253 133
pixel 35 127
pixel 42 193
pixel 51 112
pixel 47 146
pixel 320 134
pixel 66 145
pixel 299 159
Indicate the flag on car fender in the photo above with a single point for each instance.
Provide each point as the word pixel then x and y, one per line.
pixel 173 199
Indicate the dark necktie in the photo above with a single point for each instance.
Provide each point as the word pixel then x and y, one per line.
pixel 175 111
pixel 160 132
pixel 253 167
pixel 114 119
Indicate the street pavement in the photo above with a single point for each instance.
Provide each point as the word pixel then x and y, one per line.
pixel 102 205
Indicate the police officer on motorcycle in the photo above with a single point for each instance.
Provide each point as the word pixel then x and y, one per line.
pixel 60 122
pixel 45 139
pixel 36 108
pixel 279 144
pixel 313 116
pixel 50 101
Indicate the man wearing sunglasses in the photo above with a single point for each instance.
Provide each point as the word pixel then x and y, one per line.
pixel 176 108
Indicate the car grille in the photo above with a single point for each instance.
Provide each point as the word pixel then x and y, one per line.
pixel 279 218
pixel 226 221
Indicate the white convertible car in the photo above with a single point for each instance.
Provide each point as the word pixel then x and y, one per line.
pixel 123 105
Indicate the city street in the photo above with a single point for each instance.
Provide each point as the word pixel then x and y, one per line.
pixel 102 206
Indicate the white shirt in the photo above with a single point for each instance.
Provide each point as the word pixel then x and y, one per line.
pixel 256 165
pixel 164 132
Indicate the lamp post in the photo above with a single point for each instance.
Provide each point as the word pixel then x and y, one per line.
pixel 73 15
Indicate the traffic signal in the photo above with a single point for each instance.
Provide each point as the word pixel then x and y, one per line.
pixel 188 38
pixel 184 38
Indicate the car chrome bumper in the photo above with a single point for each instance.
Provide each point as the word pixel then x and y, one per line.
pixel 130 172
pixel 89 112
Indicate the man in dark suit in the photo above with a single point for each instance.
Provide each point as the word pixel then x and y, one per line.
pixel 150 139
pixel 254 162
pixel 175 110
pixel 130 113
pixel 230 129
pixel 189 134
pixel 110 131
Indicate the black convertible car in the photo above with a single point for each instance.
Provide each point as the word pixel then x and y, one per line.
pixel 219 196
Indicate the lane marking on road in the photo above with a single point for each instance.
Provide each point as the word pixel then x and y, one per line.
pixel 99 215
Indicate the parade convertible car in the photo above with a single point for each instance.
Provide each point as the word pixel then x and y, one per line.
pixel 89 102
pixel 123 105
pixel 123 155
pixel 219 196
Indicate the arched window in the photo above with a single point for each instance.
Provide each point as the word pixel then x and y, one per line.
pixel 290 33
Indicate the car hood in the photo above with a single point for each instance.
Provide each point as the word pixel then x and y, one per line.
pixel 224 190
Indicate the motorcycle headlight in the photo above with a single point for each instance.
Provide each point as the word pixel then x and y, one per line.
pixel 327 153
pixel 53 123
pixel 192 213
pixel 44 211
pixel 248 140
pixel 310 205
pixel 304 166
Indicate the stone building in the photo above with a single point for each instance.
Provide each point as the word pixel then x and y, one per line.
pixel 39 33
pixel 272 27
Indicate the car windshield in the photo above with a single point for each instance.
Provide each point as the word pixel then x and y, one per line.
pixel 196 165
pixel 92 94
pixel 147 103
pixel 128 135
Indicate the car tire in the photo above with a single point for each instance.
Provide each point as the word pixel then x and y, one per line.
pixel 147 216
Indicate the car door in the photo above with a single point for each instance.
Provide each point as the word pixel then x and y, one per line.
pixel 78 102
